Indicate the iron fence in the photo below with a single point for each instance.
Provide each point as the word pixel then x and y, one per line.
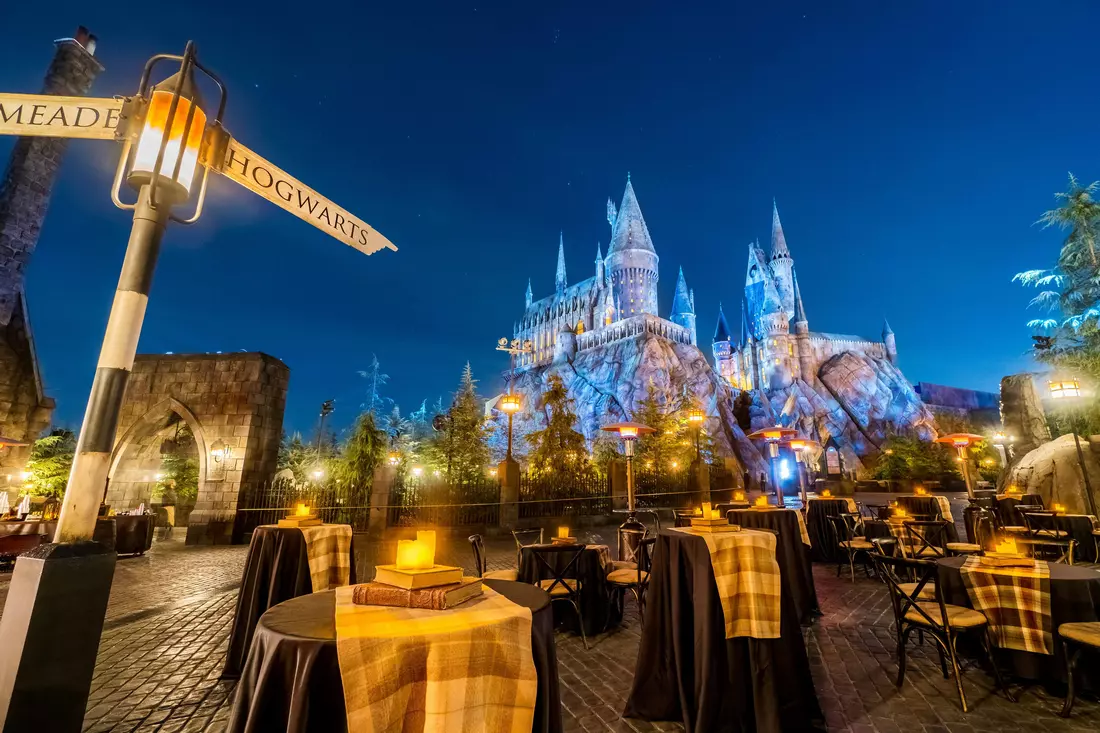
pixel 332 502
pixel 422 500
pixel 564 494
pixel 659 490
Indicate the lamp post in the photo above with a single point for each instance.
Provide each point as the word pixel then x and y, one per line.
pixel 773 437
pixel 1068 391
pixel 801 446
pixel 326 409
pixel 962 441
pixel 695 419
pixel 510 402
pixel 631 528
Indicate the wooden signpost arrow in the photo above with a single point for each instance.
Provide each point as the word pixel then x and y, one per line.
pixel 46 115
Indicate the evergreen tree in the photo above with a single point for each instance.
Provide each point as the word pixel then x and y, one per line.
pixel 375 402
pixel 363 451
pixel 911 458
pixel 558 446
pixel 460 449
pixel 298 456
pixel 179 468
pixel 50 461
pixel 664 449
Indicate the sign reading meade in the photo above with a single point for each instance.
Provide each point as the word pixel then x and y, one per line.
pixel 282 189
pixel 53 116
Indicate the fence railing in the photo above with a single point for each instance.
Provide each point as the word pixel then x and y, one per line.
pixel 421 500
pixel 564 494
pixel 653 490
pixel 331 502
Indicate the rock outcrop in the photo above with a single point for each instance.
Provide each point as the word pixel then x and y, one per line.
pixel 1022 414
pixel 1053 470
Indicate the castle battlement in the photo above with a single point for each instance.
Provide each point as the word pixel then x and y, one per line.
pixel 631 327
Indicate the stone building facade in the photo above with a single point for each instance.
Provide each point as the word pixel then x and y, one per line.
pixel 25 190
pixel 233 405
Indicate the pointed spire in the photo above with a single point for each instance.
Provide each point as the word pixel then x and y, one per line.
pixel 559 278
pixel 722 330
pixel 779 241
pixel 681 302
pixel 746 332
pixel 599 266
pixel 530 296
pixel 799 311
pixel 886 330
pixel 629 230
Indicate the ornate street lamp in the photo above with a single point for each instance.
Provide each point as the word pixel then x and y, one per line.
pixel 1068 391
pixel 695 418
pixel 510 404
pixel 634 530
pixel 962 441
pixel 773 437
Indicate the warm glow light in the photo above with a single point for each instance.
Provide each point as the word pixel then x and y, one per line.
pixel 395 458
pixel 899 512
pixel 302 510
pixel 563 532
pixel 706 508
pixel 698 511
pixel 152 133
pixel 826 493
pixel 318 473
pixel 773 434
pixel 510 403
pixel 960 442
pixel 798 445
pixel 1058 508
pixel 738 495
pixel 695 416
pixel 159 476
pixel 426 539
pixel 761 501
pixel 1064 388
pixel 25 475
pixel 1008 546
pixel 417 470
pixel 492 472
pixel 715 514
pixel 889 451
pixel 675 465
pixel 1012 489
pixel 628 433
pixel 921 491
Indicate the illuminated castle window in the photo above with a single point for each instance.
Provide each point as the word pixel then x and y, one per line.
pixel 580 328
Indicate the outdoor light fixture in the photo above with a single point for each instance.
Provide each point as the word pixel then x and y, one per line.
pixel 630 539
pixel 180 157
pixel 510 404
pixel 394 458
pixel 695 416
pixel 417 470
pixel 220 452
pixel 1068 391
pixel 800 446
pixel 317 473
pixel 1064 388
pixel 24 475
pixel 962 441
pixel 773 437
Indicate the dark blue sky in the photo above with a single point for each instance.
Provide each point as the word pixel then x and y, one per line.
pixel 910 146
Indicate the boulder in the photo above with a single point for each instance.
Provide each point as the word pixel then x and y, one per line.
pixel 1022 414
pixel 1053 470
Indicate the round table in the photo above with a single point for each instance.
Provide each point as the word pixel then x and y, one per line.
pixel 687 670
pixel 1074 596
pixel 597 610
pixel 275 570
pixel 291 681
pixel 818 511
pixel 790 551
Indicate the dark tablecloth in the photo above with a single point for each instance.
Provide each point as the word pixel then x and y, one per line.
pixel 291 682
pixel 688 671
pixel 1074 596
pixel 595 593
pixel 133 534
pixel 792 554
pixel 928 506
pixel 1076 526
pixel 818 511
pixel 276 570
pixel 1006 507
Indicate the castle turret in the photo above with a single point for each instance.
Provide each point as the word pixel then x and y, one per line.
pixel 559 277
pixel 683 309
pixel 801 337
pixel 599 266
pixel 781 264
pixel 530 296
pixel 890 343
pixel 724 360
pixel 778 351
pixel 631 259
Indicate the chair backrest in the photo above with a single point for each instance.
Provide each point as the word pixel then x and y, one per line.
pixel 527 537
pixel 630 543
pixel 879 511
pixel 893 570
pixel 655 516
pixel 843 526
pixel 645 559
pixel 886 546
pixel 929 533
pixel 985 528
pixel 477 544
pixel 567 565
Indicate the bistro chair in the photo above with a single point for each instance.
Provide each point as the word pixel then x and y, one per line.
pixel 563 585
pixel 1045 539
pixel 844 532
pixel 527 537
pixel 635 580
pixel 477 544
pixel 983 534
pixel 1084 635
pixel 631 541
pixel 926 538
pixel 890 547
pixel 942 621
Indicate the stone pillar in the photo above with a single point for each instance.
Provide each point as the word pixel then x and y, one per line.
pixel 1022 415
pixel 508 471
pixel 32 169
pixel 618 484
pixel 379 499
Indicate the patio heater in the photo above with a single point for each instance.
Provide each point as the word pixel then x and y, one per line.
pixel 631 531
pixel 773 437
pixel 962 441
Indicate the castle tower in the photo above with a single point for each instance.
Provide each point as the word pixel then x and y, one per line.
pixel 32 169
pixel 724 361
pixel 631 259
pixel 683 307
pixel 559 276
pixel 889 341
pixel 777 352
pixel 600 280
pixel 802 345
pixel 781 264
pixel 530 296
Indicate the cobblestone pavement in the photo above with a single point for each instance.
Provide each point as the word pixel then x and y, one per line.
pixel 170 611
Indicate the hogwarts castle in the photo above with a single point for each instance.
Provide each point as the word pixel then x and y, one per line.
pixel 618 301
pixel 774 345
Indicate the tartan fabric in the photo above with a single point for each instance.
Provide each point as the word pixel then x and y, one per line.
pixel 945 507
pixel 1016 601
pixel 328 548
pixel 747 575
pixel 409 670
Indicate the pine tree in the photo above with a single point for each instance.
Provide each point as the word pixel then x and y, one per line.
pixel 375 403
pixel 558 446
pixel 460 449
pixel 297 456
pixel 50 461
pixel 363 451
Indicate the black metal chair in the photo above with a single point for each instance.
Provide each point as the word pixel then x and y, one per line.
pixel 927 538
pixel 983 535
pixel 563 585
pixel 527 537
pixel 1084 635
pixel 942 621
pixel 1045 538
pixel 477 544
pixel 635 580
pixel 844 533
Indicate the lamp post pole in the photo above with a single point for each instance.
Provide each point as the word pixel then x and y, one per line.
pixel 1078 427
pixel 510 404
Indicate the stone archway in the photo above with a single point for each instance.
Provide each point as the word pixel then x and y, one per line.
pixel 233 404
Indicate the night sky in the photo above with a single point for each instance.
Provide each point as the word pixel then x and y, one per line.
pixel 910 146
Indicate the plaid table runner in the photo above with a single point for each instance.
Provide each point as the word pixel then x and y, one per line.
pixel 802 531
pixel 411 670
pixel 747 575
pixel 328 548
pixel 945 507
pixel 1016 601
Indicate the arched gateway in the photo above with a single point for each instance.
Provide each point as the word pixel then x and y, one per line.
pixel 223 413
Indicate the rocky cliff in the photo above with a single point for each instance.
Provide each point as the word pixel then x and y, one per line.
pixel 858 399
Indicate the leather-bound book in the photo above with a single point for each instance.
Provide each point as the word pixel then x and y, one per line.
pixel 439 598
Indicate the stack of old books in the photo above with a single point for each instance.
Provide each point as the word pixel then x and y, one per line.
pixel 415 581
